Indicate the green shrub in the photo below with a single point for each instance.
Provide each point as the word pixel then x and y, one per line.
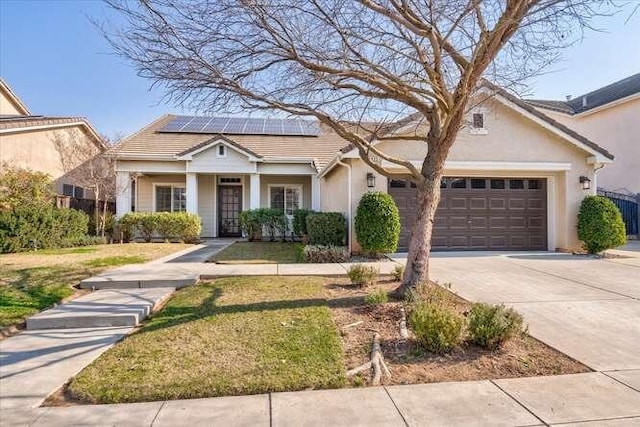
pixel 168 225
pixel 438 328
pixel 300 221
pixel 377 297
pixel 491 325
pixel 363 275
pixel 324 254
pixel 23 187
pixel 600 224
pixel 258 223
pixel 398 273
pixel 326 228
pixel 275 223
pixel 250 224
pixel 32 227
pixel 377 223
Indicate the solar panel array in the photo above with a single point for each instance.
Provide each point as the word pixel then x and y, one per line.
pixel 242 126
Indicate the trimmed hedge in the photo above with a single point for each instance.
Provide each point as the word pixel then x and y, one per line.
pixel 256 222
pixel 600 224
pixel 377 223
pixel 168 225
pixel 326 228
pixel 32 227
pixel 300 221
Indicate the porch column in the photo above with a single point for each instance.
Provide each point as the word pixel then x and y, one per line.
pixel 123 193
pixel 191 191
pixel 254 191
pixel 315 193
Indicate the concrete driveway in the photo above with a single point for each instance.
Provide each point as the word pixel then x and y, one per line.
pixel 587 308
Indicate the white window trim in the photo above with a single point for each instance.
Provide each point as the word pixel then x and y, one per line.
pixel 173 185
pixel 226 149
pixel 479 131
pixel 285 186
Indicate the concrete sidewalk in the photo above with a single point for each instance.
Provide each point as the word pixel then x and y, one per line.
pixel 592 399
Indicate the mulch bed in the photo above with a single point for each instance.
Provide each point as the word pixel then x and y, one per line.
pixel 409 364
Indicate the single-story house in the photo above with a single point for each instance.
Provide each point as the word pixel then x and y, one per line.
pixel 514 178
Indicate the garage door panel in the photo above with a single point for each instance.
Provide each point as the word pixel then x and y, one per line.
pixel 482 214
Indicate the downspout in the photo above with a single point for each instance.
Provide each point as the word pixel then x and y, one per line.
pixel 595 175
pixel 349 209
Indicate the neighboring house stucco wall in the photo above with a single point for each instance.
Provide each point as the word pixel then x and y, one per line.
pixel 616 128
pixel 36 150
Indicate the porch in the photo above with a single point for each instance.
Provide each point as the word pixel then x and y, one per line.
pixel 217 198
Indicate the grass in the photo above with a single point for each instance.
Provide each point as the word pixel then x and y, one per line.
pixel 258 253
pixel 229 337
pixel 33 281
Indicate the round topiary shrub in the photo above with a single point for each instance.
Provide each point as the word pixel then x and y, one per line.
pixel 600 224
pixel 377 223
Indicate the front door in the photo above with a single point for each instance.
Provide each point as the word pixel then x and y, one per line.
pixel 229 207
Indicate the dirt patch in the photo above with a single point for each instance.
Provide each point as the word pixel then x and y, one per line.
pixel 521 357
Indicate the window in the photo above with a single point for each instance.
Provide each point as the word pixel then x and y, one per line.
pixel 497 184
pixel 478 183
pixel 516 184
pixel 78 192
pixel 287 198
pixel 478 121
pixel 222 151
pixel 443 183
pixel 67 190
pixel 230 181
pixel 535 184
pixel 397 183
pixel 170 199
pixel 458 183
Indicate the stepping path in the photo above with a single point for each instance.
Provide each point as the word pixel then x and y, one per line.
pixel 104 308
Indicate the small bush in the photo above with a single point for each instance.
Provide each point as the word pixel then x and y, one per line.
pixel 326 228
pixel 377 223
pixel 377 297
pixel 168 225
pixel 398 273
pixel 275 222
pixel 250 224
pixel 324 254
pixel 268 222
pixel 438 328
pixel 492 325
pixel 600 224
pixel 363 275
pixel 300 221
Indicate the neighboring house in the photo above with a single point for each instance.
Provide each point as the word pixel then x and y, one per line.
pixel 515 177
pixel 33 141
pixel 611 117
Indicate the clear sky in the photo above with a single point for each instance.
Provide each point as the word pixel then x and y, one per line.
pixel 56 61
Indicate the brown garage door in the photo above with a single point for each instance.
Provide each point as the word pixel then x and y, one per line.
pixel 481 213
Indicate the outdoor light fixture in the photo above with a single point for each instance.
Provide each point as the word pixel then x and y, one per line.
pixel 371 180
pixel 586 183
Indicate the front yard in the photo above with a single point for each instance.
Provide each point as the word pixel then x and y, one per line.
pixel 264 334
pixel 33 281
pixel 259 253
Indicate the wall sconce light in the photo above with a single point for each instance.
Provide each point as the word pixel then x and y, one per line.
pixel 585 182
pixel 371 180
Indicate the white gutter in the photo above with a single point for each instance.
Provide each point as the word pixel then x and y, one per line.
pixel 339 162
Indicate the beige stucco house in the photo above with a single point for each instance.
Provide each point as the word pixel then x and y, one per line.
pixel 514 179
pixel 611 116
pixel 33 141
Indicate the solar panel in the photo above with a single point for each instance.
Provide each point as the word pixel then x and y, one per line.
pixel 242 126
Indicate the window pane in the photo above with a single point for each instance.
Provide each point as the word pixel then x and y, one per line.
pixel 397 183
pixel 516 184
pixel 292 200
pixel 78 193
pixel 497 184
pixel 67 190
pixel 443 183
pixel 478 183
pixel 163 199
pixel 535 184
pixel 179 199
pixel 458 183
pixel 277 197
pixel 478 120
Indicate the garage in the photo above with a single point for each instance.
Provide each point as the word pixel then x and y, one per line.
pixel 480 213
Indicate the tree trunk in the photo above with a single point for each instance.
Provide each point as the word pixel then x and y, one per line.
pixel 96 210
pixel 417 268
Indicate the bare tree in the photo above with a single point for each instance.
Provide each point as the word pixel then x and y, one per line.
pixel 90 167
pixel 341 61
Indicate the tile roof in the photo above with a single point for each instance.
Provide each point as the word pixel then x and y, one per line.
pixel 594 99
pixel 150 142
pixel 19 123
